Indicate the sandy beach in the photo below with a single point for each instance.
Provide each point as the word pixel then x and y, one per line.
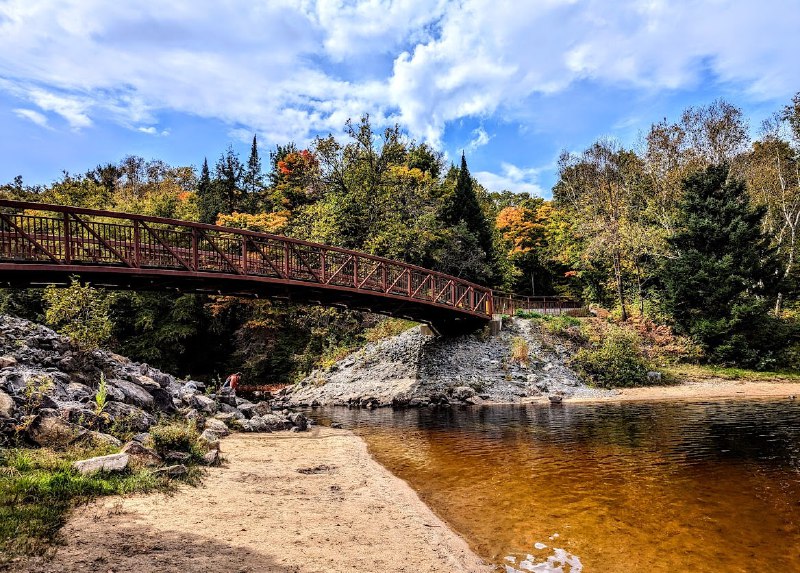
pixel 298 503
pixel 704 389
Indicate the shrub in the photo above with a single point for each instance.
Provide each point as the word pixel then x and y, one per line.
pixel 520 350
pixel 176 437
pixel 530 314
pixel 616 362
pixel 102 394
pixel 561 324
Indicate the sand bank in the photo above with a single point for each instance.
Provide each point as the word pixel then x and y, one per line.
pixel 342 512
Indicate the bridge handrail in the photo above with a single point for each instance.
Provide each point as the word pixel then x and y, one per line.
pixel 308 265
pixel 14 204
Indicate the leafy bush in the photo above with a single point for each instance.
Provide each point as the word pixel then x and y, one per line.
pixel 176 437
pixel 520 350
pixel 616 362
pixel 80 312
pixel 561 324
pixel 529 314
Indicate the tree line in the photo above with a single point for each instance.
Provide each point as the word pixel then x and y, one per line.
pixel 694 226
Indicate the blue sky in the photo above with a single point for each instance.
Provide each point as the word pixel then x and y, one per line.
pixel 84 82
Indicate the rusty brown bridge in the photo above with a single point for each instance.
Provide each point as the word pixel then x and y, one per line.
pixel 47 244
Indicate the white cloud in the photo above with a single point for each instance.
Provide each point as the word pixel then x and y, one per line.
pixel 288 69
pixel 148 130
pixel 30 114
pixel 481 139
pixel 511 178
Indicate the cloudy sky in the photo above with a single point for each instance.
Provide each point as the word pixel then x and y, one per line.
pixel 510 82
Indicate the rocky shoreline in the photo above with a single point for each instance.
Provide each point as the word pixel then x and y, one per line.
pixel 52 393
pixel 413 369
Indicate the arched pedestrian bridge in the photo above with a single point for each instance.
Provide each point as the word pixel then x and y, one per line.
pixel 46 244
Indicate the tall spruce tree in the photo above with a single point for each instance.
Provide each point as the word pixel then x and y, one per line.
pixel 228 175
pixel 253 178
pixel 209 201
pixel 463 213
pixel 716 286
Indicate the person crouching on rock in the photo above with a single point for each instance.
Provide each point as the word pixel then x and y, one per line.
pixel 231 383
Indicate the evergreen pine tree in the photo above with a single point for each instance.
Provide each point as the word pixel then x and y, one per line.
pixel 253 177
pixel 715 288
pixel 205 202
pixel 228 174
pixel 463 212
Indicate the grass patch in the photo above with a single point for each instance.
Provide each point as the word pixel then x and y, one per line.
pixel 38 486
pixel 701 372
pixel 177 437
pixel 388 328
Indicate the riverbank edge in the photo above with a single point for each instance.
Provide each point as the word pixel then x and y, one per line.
pixel 700 389
pixel 94 533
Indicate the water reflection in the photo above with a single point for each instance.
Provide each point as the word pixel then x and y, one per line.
pixel 627 487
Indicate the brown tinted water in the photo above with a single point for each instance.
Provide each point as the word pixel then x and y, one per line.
pixel 606 488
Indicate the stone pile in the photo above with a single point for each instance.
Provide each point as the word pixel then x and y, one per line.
pixel 49 394
pixel 416 370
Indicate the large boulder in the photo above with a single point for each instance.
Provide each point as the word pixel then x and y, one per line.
pixel 218 427
pixel 299 420
pixel 275 422
pixel 141 454
pixel 53 431
pixel 162 400
pixel 204 404
pixel 7 361
pixel 210 440
pixel 134 394
pixel 112 463
pixel 262 409
pixel 125 414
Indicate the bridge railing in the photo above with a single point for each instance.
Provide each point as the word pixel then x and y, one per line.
pixel 507 303
pixel 62 237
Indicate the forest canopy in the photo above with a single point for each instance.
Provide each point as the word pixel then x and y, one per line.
pixel 633 230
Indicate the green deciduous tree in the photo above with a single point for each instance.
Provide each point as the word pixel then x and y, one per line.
pixel 79 311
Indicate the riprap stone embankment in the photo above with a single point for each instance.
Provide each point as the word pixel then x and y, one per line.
pixel 416 370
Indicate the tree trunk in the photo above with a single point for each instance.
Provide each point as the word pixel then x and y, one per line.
pixel 618 276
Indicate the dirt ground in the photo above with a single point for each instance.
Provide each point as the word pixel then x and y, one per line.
pixel 344 512
pixel 711 388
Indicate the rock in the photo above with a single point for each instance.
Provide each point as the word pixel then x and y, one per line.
pixel 262 409
pixel 141 455
pixel 204 404
pixel 654 377
pixel 130 416
pixel 145 382
pixel 475 401
pixel 463 392
pixel 209 439
pixel 217 427
pixel 182 457
pixel 112 463
pixel 79 392
pixel 555 399
pixel 7 361
pixel 100 439
pixel 299 420
pixel 134 394
pixel 336 426
pixel 211 458
pixel 141 438
pixel 275 422
pixel 7 405
pixel 229 412
pixel 53 431
pixel 162 400
pixel 178 470
pixel 256 424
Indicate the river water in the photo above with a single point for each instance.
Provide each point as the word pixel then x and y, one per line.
pixel 632 487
